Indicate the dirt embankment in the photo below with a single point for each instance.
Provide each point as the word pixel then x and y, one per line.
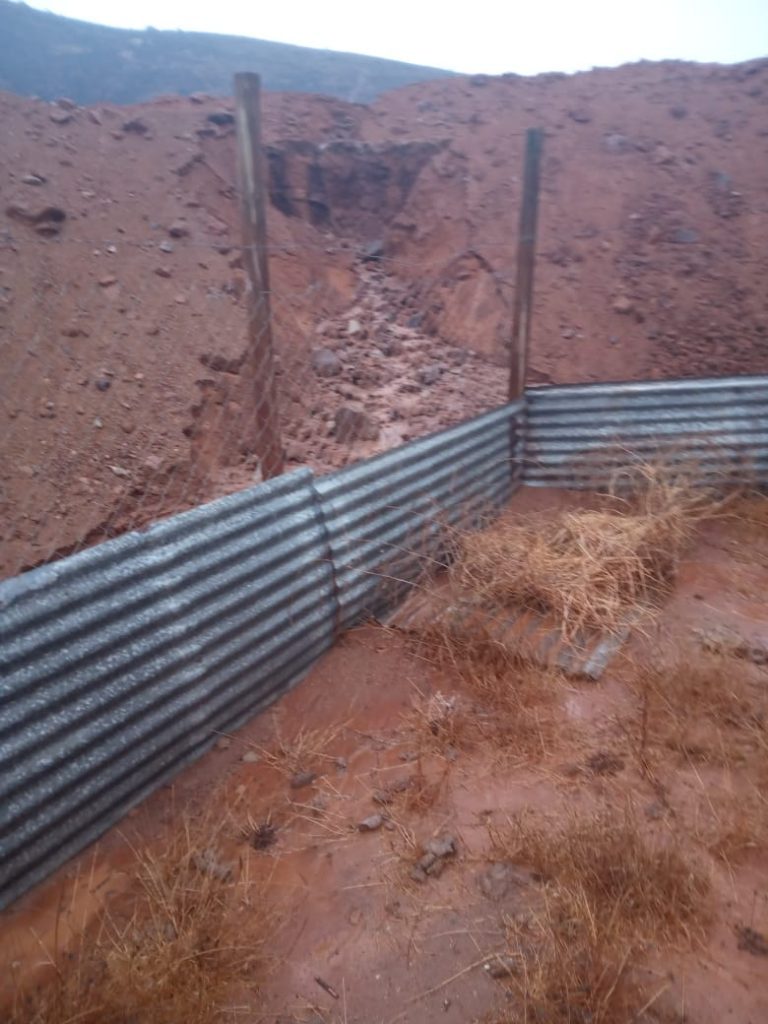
pixel 392 236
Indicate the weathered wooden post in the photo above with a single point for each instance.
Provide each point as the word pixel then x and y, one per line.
pixel 526 253
pixel 258 365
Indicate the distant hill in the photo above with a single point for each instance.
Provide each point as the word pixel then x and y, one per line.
pixel 49 56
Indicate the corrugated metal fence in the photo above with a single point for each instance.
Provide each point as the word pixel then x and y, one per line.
pixel 121 664
pixel 580 435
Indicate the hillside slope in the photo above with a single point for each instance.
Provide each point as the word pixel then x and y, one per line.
pixel 392 235
pixel 46 55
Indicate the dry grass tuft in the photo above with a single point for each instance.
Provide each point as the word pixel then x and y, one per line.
pixel 732 826
pixel 606 893
pixel 502 697
pixel 637 889
pixel 306 750
pixel 705 706
pixel 589 568
pixel 193 932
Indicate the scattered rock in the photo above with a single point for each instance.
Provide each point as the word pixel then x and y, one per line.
pixel 353 327
pixel 501 966
pixel 64 103
pixel 178 229
pixel 60 116
pixel 580 115
pixel 751 941
pixel 136 125
pixel 371 823
pixel 326 363
pixel 221 118
pixel 373 251
pixel 684 236
pixel 250 757
pixel 498 879
pixel 429 375
pixel 434 858
pixel 163 272
pixel 108 281
pixel 120 471
pixel 623 305
pixel 166 246
pixel 223 743
pixel 350 425
pixel 678 112
pixel 103 384
pixel 33 179
pixel 615 142
pixel 302 779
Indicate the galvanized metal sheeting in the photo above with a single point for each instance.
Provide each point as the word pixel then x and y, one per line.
pixel 121 664
pixel 580 435
pixel 388 517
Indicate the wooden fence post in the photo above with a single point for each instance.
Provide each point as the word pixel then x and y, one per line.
pixel 258 365
pixel 526 253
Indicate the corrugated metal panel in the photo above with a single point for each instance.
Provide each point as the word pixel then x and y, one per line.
pixel 118 665
pixel 388 516
pixel 579 435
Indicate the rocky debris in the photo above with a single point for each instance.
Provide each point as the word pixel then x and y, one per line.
pixel 61 117
pixel 326 363
pixel 33 179
pixel 103 384
pixel 166 246
pixel 46 221
pixel 164 272
pixel 108 281
pixel 501 965
pixel 373 251
pixel 351 424
pixel 623 305
pixel 302 779
pixel 136 126
pixel 64 103
pixel 429 375
pixel 207 862
pixel 386 795
pixel 250 757
pixel 223 743
pixel 436 853
pixel 580 115
pixel 371 823
pixel 751 941
pixel 221 364
pixel 178 229
pixel 221 118
pixel 500 878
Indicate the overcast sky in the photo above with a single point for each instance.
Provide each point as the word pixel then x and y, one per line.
pixel 480 35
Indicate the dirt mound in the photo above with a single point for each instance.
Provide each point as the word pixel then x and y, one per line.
pixel 392 257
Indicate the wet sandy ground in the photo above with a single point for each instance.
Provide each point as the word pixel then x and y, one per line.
pixel 388 948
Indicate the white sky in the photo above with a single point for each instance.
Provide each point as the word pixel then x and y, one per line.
pixel 480 35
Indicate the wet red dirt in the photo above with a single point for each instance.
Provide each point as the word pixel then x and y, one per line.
pixel 348 912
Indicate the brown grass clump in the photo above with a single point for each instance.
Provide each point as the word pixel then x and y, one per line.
pixel 640 890
pixel 502 696
pixel 606 893
pixel 589 568
pixel 705 706
pixel 193 932
pixel 733 826
pixel 307 749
